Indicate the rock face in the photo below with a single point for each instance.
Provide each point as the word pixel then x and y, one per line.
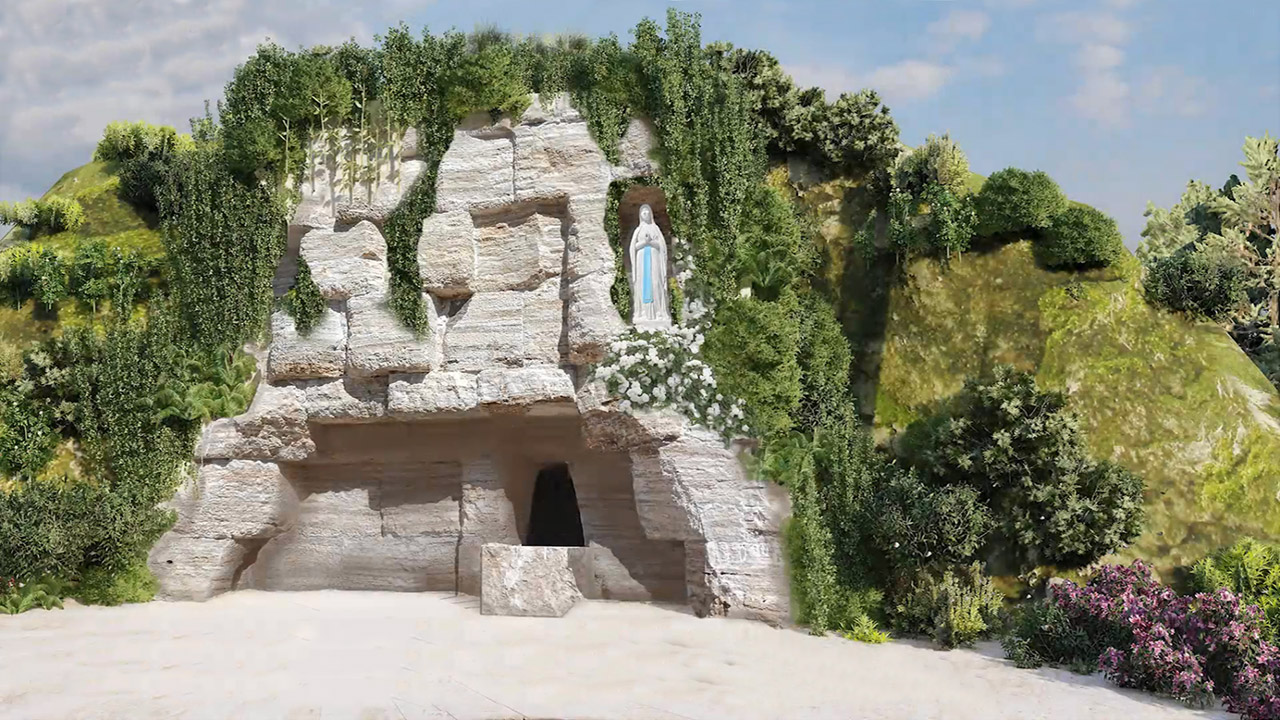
pixel 376 458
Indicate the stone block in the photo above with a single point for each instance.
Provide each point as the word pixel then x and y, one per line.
pixel 419 395
pixel 487 331
pixel 527 581
pixel 321 353
pixel 379 344
pixel 274 428
pixel 591 319
pixel 476 171
pixel 559 159
pixel 525 387
pixel 636 149
pixel 194 568
pixel 376 204
pixel 347 263
pixel 346 399
pixel 237 499
pixel 447 254
pixel 520 255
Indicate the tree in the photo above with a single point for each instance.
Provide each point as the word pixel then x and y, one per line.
pixel 939 161
pixel 1080 237
pixel 1190 251
pixel 1013 200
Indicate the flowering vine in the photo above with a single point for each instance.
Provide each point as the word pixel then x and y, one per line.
pixel 661 368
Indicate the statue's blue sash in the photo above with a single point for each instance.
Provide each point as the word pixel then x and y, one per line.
pixel 647 284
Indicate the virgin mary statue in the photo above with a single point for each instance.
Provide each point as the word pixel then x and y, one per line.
pixel 648 254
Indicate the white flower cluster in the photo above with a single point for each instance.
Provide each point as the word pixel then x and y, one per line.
pixel 661 369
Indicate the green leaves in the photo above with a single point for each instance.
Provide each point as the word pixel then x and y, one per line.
pixel 1080 237
pixel 1016 201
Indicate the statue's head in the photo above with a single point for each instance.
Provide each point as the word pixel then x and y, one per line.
pixel 646 214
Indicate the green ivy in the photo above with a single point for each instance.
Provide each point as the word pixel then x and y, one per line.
pixel 304 301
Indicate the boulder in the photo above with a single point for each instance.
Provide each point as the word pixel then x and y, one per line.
pixel 519 254
pixel 476 171
pixel 346 399
pixel 526 387
pixel 194 568
pixel 527 581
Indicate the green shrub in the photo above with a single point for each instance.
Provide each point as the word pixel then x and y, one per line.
pixel 1013 200
pixel 1043 634
pixel 1199 282
pixel 1080 237
pixel 752 347
pixel 825 360
pixel 1025 454
pixel 865 630
pixel 304 301
pixel 955 606
pixel 1249 569
pixel 123 140
pixel 52 215
pixel 133 584
pixel 18 597
pixel 915 524
pixel 939 161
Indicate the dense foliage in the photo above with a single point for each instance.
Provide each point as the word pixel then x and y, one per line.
pixel 1251 571
pixel 1216 254
pixel 48 215
pixel 304 301
pixel 1080 237
pixel 17 596
pixel 1015 201
pixel 954 605
pixel 91 273
pixel 1024 454
pixel 1144 635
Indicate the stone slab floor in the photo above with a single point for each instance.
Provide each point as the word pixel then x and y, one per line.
pixel 370 655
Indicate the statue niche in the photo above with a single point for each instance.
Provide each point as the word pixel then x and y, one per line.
pixel 649 293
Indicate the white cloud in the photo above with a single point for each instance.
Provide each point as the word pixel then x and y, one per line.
pixel 1169 90
pixel 980 66
pixel 1097 58
pixel 909 79
pixel 63 78
pixel 1102 97
pixel 1085 27
pixel 900 82
pixel 957 26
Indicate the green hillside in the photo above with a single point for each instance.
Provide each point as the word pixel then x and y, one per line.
pixel 108 219
pixel 1174 401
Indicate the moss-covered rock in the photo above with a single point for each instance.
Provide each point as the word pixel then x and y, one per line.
pixel 1174 401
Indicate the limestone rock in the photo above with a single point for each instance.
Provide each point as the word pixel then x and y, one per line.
pixel 554 109
pixel 524 387
pixel 347 263
pixel 527 581
pixel 487 517
pixel 379 344
pixel 346 399
pixel 476 170
pixel 636 149
pixel 520 255
pixel 447 254
pixel 376 204
pixel 421 395
pixel 559 159
pixel 322 353
pixel 508 327
pixel 588 249
pixel 194 568
pixel 409 144
pixel 274 428
pixel 237 499
pixel 591 319
pixel 604 427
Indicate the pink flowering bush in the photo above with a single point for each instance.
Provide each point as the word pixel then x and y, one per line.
pixel 1146 636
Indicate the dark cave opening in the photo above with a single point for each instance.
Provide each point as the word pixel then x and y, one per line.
pixel 554 519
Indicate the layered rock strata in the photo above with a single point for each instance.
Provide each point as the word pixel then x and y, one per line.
pixel 376 458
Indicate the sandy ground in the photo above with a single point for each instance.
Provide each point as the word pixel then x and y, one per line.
pixel 416 656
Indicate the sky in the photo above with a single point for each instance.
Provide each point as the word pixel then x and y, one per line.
pixel 1121 101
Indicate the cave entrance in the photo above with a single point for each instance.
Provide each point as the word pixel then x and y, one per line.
pixel 554 519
